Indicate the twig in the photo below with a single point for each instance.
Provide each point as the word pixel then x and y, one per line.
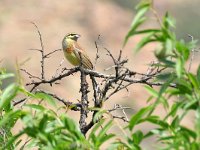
pixel 192 57
pixel 53 80
pixel 72 106
pixel 97 53
pixel 26 142
pixel 116 89
pixel 156 14
pixel 42 50
pixel 119 107
pixel 56 73
pixel 121 118
pixel 47 55
pixel 30 75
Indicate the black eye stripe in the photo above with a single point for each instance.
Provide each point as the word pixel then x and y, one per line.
pixel 71 34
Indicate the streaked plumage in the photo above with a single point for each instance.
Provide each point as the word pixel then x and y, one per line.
pixel 74 53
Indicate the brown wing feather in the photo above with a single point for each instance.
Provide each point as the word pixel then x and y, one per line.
pixel 81 55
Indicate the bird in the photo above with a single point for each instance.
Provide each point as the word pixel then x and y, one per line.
pixel 76 55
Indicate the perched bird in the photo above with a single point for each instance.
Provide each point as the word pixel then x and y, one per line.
pixel 74 53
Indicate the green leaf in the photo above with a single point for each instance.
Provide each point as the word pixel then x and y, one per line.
pixel 99 114
pixel 158 95
pixel 95 128
pixel 168 21
pixel 18 143
pixel 164 88
pixel 197 122
pixel 157 121
pixel 71 126
pixel 102 136
pixel 39 95
pixel 169 46
pixel 12 140
pixel 11 116
pixel 92 135
pixel 35 106
pixel 7 96
pixel 138 20
pixel 5 76
pixel 175 107
pixel 164 76
pixel 105 138
pixel 102 133
pixel 145 40
pixel 183 49
pixel 147 31
pixel 137 137
pixel 138 116
pixel 198 74
pixel 183 87
pixel 48 98
pixel 192 104
pixel 175 122
pixel 194 81
pixel 191 133
pixel 179 67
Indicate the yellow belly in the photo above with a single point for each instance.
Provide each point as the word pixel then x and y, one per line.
pixel 71 57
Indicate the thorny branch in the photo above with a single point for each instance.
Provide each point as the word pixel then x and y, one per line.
pixel 84 102
pixel 40 50
pixel 75 107
pixel 104 88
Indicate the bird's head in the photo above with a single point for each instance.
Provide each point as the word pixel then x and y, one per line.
pixel 72 36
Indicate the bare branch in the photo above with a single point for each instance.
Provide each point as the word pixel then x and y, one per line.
pixel 97 48
pixel 192 57
pixel 84 102
pixel 35 49
pixel 56 73
pixel 47 55
pixel 119 107
pixel 30 75
pixel 108 84
pixel 72 106
pixel 42 50
pixel 121 118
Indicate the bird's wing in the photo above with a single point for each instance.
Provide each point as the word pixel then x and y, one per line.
pixel 82 56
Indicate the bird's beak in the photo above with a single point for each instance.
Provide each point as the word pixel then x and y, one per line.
pixel 78 36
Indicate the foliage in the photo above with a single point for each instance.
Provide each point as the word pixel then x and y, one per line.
pixel 172 54
pixel 46 129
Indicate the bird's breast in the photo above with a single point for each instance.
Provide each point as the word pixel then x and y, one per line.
pixel 69 50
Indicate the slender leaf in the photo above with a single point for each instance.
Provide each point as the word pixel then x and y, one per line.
pixel 11 116
pixel 138 116
pixel 179 67
pixel 46 97
pixel 36 107
pixel 138 20
pixel 5 76
pixel 8 94
pixel 145 40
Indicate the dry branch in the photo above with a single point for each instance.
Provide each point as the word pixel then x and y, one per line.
pixel 109 85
